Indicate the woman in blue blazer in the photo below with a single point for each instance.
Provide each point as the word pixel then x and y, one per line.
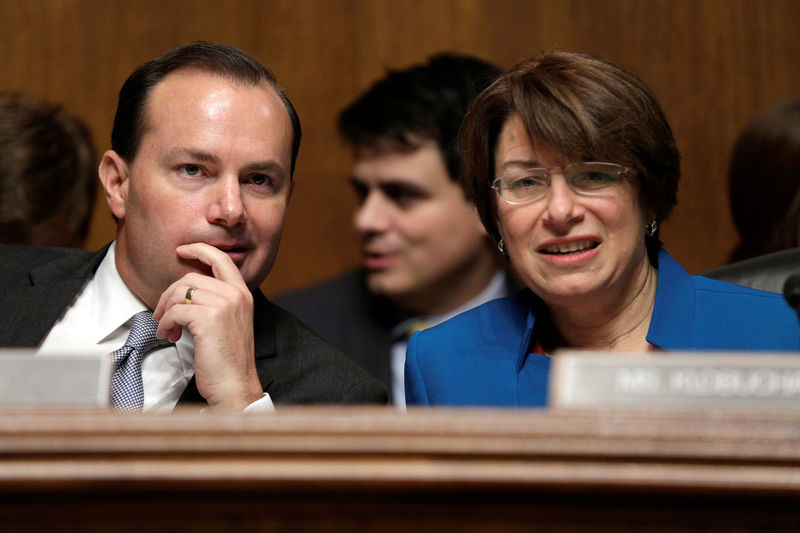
pixel 573 167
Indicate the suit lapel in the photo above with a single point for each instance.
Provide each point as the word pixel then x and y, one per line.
pixel 264 335
pixel 372 333
pixel 368 323
pixel 32 310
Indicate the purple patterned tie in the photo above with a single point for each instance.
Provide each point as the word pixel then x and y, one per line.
pixel 127 392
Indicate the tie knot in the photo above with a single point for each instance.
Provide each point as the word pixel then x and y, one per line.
pixel 142 336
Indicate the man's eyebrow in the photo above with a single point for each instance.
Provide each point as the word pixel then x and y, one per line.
pixel 197 155
pixel 391 184
pixel 269 165
pixel 401 185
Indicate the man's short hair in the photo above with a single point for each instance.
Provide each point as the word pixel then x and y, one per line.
pixel 48 174
pixel 421 103
pixel 218 59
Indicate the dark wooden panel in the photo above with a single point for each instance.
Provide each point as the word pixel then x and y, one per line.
pixel 385 470
pixel 713 64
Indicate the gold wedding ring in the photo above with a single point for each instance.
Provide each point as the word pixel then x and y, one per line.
pixel 189 293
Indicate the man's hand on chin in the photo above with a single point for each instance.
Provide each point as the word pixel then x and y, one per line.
pixel 220 318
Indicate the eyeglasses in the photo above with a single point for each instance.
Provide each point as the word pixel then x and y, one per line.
pixel 530 184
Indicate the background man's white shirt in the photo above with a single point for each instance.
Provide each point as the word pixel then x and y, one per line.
pixel 498 288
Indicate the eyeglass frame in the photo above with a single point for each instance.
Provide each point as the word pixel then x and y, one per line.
pixel 621 170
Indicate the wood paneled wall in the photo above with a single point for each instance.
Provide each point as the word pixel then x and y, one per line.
pixel 712 63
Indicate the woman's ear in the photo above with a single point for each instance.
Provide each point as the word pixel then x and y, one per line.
pixel 114 173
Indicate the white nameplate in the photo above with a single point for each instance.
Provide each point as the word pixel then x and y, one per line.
pixel 675 380
pixel 57 380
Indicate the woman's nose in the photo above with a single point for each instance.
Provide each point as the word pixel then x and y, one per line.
pixel 563 204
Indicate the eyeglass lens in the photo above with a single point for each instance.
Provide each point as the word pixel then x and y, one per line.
pixel 584 178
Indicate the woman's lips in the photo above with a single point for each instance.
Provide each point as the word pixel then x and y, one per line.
pixel 570 252
pixel 570 247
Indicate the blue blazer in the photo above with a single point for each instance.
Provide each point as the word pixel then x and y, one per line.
pixel 481 357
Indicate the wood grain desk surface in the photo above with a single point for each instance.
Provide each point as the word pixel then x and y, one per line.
pixel 473 469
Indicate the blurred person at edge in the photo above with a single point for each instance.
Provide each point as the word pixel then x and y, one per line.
pixel 573 168
pixel 48 174
pixel 764 180
pixel 426 256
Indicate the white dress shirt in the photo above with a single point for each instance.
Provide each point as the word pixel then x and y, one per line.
pixel 97 322
pixel 497 288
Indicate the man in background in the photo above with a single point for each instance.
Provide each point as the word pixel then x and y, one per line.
pixel 48 174
pixel 198 178
pixel 426 255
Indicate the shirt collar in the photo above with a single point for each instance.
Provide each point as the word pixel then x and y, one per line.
pixel 498 287
pixel 110 314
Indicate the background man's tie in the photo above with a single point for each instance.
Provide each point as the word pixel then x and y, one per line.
pixel 127 392
pixel 414 327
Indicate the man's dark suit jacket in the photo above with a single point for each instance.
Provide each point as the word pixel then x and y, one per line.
pixel 294 364
pixel 345 313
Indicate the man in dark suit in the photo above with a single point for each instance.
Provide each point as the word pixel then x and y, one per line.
pixel 426 254
pixel 198 179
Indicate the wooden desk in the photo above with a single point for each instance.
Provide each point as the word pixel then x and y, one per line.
pixel 356 469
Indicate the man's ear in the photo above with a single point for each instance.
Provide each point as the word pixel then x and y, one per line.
pixel 291 191
pixel 114 172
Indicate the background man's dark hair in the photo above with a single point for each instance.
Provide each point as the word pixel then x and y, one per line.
pixel 214 58
pixel 423 102
pixel 48 174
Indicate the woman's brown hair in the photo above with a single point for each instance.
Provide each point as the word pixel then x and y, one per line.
pixel 579 106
